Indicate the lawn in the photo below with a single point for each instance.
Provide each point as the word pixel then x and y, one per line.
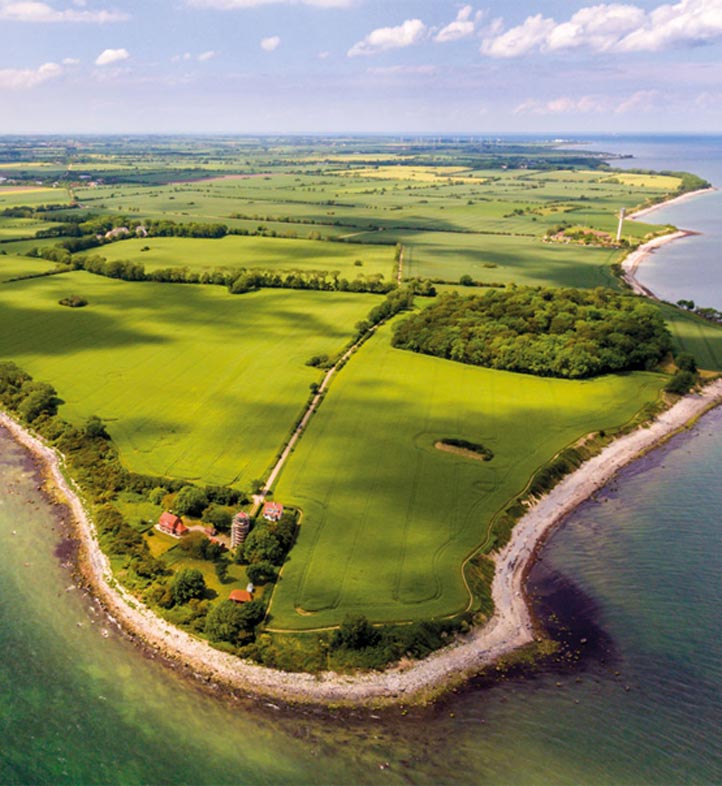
pixel 193 382
pixel 236 251
pixel 388 519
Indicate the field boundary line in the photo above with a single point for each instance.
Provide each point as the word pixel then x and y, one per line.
pixel 313 405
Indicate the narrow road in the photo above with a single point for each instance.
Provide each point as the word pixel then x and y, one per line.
pixel 259 498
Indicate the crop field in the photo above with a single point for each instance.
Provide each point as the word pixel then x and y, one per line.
pixel 504 259
pixel 21 227
pixel 389 519
pixel 14 266
pixel 193 382
pixel 453 220
pixel 237 251
pixel 11 196
pixel 697 336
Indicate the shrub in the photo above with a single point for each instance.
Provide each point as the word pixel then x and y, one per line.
pixel 190 501
pixel 681 383
pixel 188 584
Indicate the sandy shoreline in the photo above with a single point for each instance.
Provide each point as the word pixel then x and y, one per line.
pixel 510 628
pixel 645 211
pixel 634 260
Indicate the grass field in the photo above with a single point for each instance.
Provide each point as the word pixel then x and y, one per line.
pixel 236 251
pixel 388 519
pixel 33 196
pixel 14 266
pixel 499 258
pixel 697 336
pixel 194 383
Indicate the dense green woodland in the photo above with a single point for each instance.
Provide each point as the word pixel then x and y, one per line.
pixel 568 333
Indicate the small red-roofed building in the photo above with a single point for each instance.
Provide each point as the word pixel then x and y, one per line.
pixel 272 511
pixel 172 525
pixel 240 596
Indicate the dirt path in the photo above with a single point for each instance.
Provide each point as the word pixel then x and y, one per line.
pixel 509 628
pixel 259 498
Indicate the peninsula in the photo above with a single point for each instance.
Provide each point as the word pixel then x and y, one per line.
pixel 239 378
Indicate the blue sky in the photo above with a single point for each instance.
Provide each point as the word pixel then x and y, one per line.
pixel 295 66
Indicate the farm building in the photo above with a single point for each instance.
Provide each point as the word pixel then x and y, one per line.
pixel 240 596
pixel 272 511
pixel 239 529
pixel 172 525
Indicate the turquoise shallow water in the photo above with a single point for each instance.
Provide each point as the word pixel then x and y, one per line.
pixel 631 583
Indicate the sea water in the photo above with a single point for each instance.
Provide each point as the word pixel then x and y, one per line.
pixel 630 584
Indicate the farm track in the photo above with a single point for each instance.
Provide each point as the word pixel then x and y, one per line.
pixel 259 498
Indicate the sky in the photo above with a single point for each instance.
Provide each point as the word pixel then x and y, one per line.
pixel 359 66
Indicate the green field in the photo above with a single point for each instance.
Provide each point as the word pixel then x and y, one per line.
pixel 14 266
pixel 12 196
pixel 236 251
pixel 194 383
pixel 697 336
pixel 500 258
pixel 197 384
pixel 389 519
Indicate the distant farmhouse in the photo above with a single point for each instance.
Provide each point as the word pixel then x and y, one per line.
pixel 272 511
pixel 172 525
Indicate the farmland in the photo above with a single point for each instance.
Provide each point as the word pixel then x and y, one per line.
pixel 194 383
pixel 375 491
pixel 234 252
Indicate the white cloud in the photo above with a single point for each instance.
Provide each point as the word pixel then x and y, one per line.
pixel 461 27
pixel 186 57
pixel 270 44
pixel 563 105
pixel 412 70
pixel 70 61
pixel 641 101
pixel 687 22
pixel 26 78
pixel 32 11
pixel 110 56
pixel 612 27
pixel 412 31
pixel 233 5
pixel 519 40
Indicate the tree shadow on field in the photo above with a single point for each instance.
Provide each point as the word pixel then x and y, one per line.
pixel 59 331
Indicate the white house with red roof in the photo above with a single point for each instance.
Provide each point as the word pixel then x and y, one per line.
pixel 171 525
pixel 272 511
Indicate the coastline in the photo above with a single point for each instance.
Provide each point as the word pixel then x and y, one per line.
pixel 632 261
pixel 645 211
pixel 510 628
